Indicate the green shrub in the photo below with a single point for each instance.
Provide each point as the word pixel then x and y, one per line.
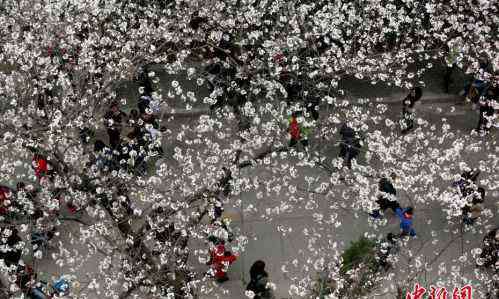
pixel 359 256
pixel 359 251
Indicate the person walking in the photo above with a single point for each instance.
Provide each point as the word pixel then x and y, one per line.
pixel 386 248
pixel 387 195
pixel 259 282
pixel 489 256
pixel 405 216
pixel 104 158
pixel 220 260
pixel 487 105
pixel 472 211
pixel 113 120
pixel 297 130
pixel 408 109
pixel 12 246
pixel 466 184
pixel 349 145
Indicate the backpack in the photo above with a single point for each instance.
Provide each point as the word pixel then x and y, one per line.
pixel 61 286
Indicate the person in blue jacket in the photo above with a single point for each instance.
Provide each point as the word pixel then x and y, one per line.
pixel 405 216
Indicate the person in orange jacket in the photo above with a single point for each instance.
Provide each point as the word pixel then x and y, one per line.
pixel 220 259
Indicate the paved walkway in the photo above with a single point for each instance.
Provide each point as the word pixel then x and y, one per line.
pixel 276 226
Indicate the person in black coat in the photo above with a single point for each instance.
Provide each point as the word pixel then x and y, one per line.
pixel 144 103
pixel 349 144
pixel 259 280
pixel 490 250
pixel 145 81
pixel 467 182
pixel 11 253
pixel 387 197
pixel 114 118
pixel 487 110
pixel 385 249
pixel 408 110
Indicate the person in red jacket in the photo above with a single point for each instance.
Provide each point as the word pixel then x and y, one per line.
pixel 297 131
pixel 5 199
pixel 40 165
pixel 220 259
pixel 294 129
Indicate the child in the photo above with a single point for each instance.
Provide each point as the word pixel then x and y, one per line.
pixel 405 217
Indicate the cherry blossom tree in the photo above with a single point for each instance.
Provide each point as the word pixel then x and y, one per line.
pixel 64 61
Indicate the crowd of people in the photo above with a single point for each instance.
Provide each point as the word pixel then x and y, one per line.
pixel 133 137
pixel 142 139
pixel 41 207
pixel 20 205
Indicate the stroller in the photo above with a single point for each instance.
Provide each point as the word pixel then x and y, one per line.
pixel 43 290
